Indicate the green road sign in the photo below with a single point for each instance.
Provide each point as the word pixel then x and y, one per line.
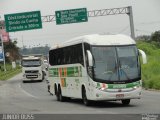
pixel 71 16
pixel 23 21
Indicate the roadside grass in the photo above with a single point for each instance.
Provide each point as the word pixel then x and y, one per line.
pixel 9 73
pixel 151 70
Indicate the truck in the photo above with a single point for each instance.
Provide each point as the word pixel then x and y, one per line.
pixel 33 68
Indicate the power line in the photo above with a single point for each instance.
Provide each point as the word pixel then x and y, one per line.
pixel 148 23
pixel 144 31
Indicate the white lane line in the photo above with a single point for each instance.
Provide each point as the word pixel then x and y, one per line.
pixel 19 85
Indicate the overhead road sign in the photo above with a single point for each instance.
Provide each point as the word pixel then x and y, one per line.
pixel 71 16
pixel 23 21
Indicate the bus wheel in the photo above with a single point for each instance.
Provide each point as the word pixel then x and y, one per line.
pixel 126 102
pixel 49 88
pixel 84 97
pixel 57 93
pixel 61 98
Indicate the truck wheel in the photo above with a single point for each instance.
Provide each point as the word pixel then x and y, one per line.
pixel 126 102
pixel 42 76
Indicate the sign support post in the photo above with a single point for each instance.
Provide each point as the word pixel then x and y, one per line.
pixel 4 61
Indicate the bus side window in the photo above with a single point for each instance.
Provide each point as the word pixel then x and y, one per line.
pixel 81 54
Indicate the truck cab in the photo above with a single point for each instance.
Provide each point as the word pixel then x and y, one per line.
pixel 32 68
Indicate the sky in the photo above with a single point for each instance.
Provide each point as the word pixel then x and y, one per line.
pixel 146 16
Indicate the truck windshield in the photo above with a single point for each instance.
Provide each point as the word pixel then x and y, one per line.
pixel 116 64
pixel 31 63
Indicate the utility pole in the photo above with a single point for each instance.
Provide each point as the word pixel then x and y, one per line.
pixel 131 22
pixel 22 42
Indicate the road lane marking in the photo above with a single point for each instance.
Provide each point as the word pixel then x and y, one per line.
pixel 19 85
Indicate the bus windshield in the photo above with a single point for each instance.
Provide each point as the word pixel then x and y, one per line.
pixel 115 64
pixel 31 63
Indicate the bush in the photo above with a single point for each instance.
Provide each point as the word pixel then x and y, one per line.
pixel 151 70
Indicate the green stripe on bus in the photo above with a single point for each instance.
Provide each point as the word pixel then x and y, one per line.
pixel 121 86
pixel 70 72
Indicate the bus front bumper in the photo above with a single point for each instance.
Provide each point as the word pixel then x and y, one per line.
pixel 117 95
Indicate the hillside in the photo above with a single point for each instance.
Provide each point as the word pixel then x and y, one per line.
pixel 35 50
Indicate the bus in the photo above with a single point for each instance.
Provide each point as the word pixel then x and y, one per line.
pixel 96 68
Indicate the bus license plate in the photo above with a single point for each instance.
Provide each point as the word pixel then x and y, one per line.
pixel 119 95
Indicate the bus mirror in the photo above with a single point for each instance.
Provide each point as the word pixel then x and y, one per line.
pixel 144 57
pixel 90 58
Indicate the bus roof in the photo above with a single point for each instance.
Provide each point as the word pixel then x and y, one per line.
pixel 96 39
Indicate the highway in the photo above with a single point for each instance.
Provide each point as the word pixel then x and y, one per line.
pixel 32 97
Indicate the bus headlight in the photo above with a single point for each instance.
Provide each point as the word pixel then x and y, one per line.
pixel 39 74
pixel 136 87
pixel 102 88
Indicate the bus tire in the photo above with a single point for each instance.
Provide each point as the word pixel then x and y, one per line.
pixel 126 101
pixel 24 81
pixel 56 92
pixel 48 87
pixel 60 97
pixel 84 97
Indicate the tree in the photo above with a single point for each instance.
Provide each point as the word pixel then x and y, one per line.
pixel 144 38
pixel 156 36
pixel 13 51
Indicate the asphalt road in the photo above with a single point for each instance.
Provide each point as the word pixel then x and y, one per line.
pixel 18 97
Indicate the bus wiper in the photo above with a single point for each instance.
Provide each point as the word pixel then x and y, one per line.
pixel 115 68
pixel 120 67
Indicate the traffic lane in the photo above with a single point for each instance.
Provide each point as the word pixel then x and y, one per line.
pixel 15 99
pixel 36 89
pixel 34 98
pixel 12 97
pixel 149 103
pixel 144 105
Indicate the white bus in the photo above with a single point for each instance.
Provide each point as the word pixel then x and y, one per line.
pixel 96 68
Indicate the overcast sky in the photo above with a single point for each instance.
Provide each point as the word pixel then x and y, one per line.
pixel 146 15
